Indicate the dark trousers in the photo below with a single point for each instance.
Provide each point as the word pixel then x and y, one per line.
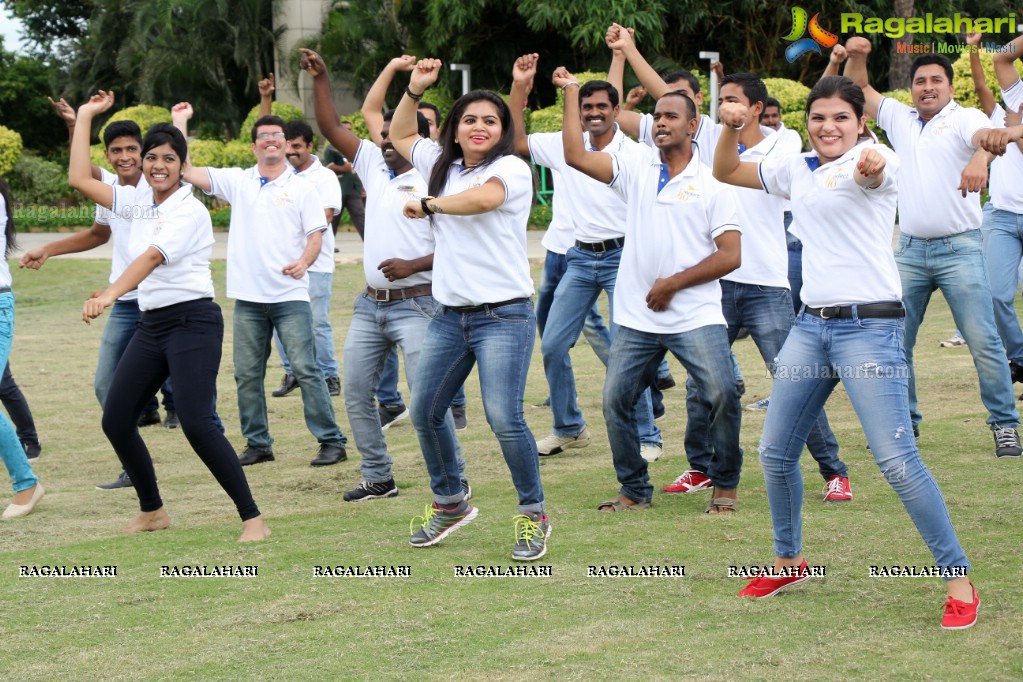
pixel 18 409
pixel 184 342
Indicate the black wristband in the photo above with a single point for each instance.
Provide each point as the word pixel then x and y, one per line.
pixel 426 207
pixel 414 96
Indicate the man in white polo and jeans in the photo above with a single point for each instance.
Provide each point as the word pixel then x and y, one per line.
pixel 940 145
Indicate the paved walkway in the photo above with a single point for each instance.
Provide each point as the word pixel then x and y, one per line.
pixel 348 244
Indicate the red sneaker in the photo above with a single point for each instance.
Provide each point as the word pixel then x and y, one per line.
pixel 764 586
pixel 838 490
pixel 959 615
pixel 691 481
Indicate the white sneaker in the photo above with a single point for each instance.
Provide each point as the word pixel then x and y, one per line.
pixel 554 444
pixel 651 452
pixel 954 341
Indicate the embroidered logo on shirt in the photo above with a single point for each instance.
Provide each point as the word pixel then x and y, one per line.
pixel 940 127
pixel 689 193
pixel 834 175
pixel 282 199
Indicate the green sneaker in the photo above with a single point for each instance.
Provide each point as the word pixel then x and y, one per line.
pixel 436 524
pixel 531 533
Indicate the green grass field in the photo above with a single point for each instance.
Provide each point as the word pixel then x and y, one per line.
pixel 285 624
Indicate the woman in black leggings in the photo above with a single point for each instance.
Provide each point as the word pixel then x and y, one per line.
pixel 181 330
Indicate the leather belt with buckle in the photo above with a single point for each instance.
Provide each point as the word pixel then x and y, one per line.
pixel 601 247
pixel 387 295
pixel 845 312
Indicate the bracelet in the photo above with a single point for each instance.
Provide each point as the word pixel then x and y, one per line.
pixel 738 128
pixel 413 95
pixel 575 83
pixel 426 208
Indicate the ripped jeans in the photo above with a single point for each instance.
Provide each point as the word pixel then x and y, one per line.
pixel 868 356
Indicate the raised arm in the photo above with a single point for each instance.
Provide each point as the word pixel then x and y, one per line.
pixel 405 126
pixel 523 73
pixel 858 50
pixel 181 114
pixel 987 98
pixel 374 104
pixel 1003 60
pixel 620 38
pixel 138 270
pixel 266 95
pixel 344 140
pixel 727 165
pixel 598 165
pixel 85 240
pixel 67 114
pixel 628 120
pixel 79 172
pixel 838 56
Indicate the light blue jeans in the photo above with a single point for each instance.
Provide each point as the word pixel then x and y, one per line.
pixel 375 330
pixel 253 328
pixel 500 342
pixel 586 276
pixel 18 467
pixel 633 365
pixel 1003 252
pixel 320 285
pixel 956 266
pixel 867 356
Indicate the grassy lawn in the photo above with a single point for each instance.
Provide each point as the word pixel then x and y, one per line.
pixel 285 624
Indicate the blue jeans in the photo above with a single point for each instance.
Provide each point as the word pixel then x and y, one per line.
pixel 586 276
pixel 376 329
pixel 254 324
pixel 766 313
pixel 795 249
pixel 320 284
pixel 387 389
pixel 594 329
pixel 867 355
pixel 117 332
pixel 1003 252
pixel 500 340
pixel 956 266
pixel 18 467
pixel 634 359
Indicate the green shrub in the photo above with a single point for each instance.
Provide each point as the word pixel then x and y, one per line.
pixel 98 156
pixel 540 217
pixel 547 120
pixel 35 180
pixel 288 112
pixel 358 125
pixel 964 92
pixel 204 153
pixel 238 154
pixel 10 149
pixel 221 217
pixel 53 218
pixel 790 94
pixel 582 77
pixel 441 99
pixel 796 120
pixel 146 115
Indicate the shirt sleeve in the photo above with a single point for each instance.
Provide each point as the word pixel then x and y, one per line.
pixel 1013 97
pixel 516 176
pixel 186 231
pixel 892 116
pixel 425 154
pixel 224 182
pixel 328 188
pixel 102 215
pixel 547 149
pixel 622 171
pixel 723 214
pixel 124 201
pixel 646 130
pixel 776 174
pixel 311 210
pixel 970 122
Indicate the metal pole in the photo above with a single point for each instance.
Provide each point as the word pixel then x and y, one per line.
pixel 466 70
pixel 713 57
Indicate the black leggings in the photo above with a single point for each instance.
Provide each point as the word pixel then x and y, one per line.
pixel 183 341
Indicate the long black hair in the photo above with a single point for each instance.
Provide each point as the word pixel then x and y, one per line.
pixel 12 241
pixel 450 150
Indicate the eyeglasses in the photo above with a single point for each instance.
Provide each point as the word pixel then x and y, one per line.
pixel 279 135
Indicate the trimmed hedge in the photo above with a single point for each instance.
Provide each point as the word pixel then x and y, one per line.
pixel 146 115
pixel 35 180
pixel 10 149
pixel 790 94
pixel 288 112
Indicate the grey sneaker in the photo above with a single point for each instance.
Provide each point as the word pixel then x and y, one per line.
pixel 531 533
pixel 122 481
pixel 371 491
pixel 436 524
pixel 553 444
pixel 1007 443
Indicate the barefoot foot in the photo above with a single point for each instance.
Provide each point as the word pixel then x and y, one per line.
pixel 254 530
pixel 148 521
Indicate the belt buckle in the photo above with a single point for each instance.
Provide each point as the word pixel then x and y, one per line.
pixel 385 299
pixel 599 247
pixel 823 315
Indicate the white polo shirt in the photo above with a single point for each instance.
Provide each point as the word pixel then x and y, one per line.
pixel 329 191
pixel 668 231
pixel 706 136
pixel 846 230
pixel 389 234
pixel 934 155
pixel 270 222
pixel 1005 181
pixel 560 234
pixel 480 258
pixel 597 212
pixel 765 255
pixel 181 230
pixel 120 231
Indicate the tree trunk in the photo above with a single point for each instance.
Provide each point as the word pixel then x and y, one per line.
pixel 898 69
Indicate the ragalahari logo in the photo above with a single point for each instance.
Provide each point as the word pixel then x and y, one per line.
pixel 818 36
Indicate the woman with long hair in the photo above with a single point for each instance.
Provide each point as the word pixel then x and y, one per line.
pixel 181 330
pixel 479 199
pixel 850 328
pixel 27 490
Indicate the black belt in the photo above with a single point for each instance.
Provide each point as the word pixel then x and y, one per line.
pixel 386 295
pixel 845 312
pixel 485 306
pixel 601 247
pixel 5 290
